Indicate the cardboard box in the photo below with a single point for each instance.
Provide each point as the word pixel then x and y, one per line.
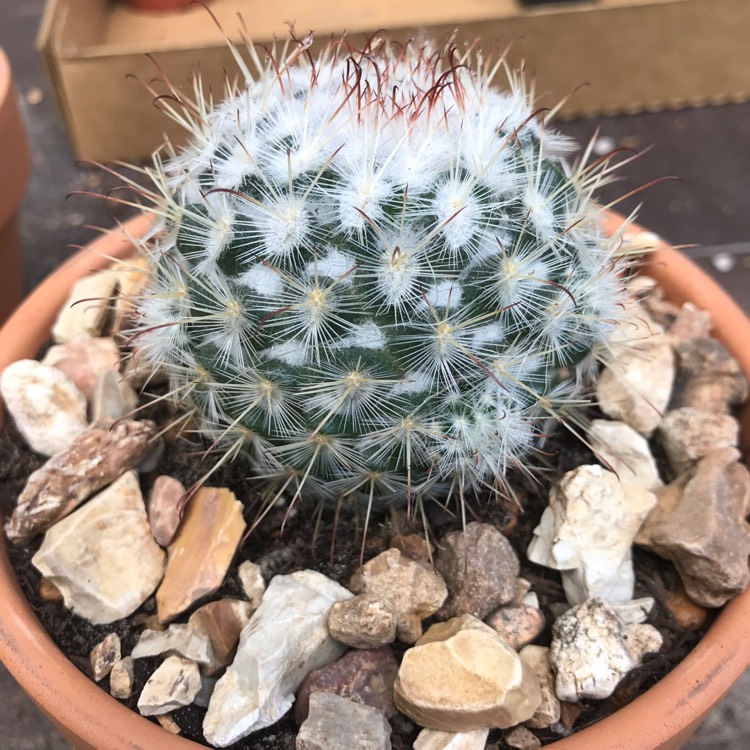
pixel 633 55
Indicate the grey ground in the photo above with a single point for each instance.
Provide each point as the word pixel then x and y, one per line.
pixel 709 206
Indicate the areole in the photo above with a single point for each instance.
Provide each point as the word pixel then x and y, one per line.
pixel 662 718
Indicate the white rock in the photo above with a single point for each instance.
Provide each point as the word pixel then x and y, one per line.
pixel 251 580
pixel 626 452
pixel 102 557
pixel 49 411
pixel 434 739
pixel 587 531
pixel 336 723
pixel 174 684
pixel 85 310
pixel 636 385
pixel 641 640
pixel 635 611
pixel 122 678
pixel 177 639
pixel 112 397
pixel 285 640
pixel 588 652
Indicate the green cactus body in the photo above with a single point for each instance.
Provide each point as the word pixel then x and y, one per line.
pixel 370 268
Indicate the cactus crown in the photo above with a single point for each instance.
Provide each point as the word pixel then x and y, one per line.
pixel 371 266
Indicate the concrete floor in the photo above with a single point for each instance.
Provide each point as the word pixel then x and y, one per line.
pixel 708 149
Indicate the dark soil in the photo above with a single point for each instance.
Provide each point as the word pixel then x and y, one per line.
pixel 334 550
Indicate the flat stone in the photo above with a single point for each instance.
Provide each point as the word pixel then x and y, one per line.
pixel 102 557
pixel 104 655
pixel 83 358
pixel 164 508
pixel 174 684
pixel 85 311
pixel 112 397
pixel 251 580
pixel 588 652
pixel 461 676
pixel 49 411
pixel 207 690
pixel 517 624
pixel 625 452
pixel 409 588
pixel 520 738
pixel 709 377
pixel 587 531
pixel 122 678
pixel 335 723
pixel 636 386
pixel 699 524
pixel 548 713
pixel 363 676
pixel 480 569
pixel 94 459
pixel 200 555
pixel 362 622
pixel 177 640
pixel 688 434
pixel 434 739
pixel 284 641
pixel 221 622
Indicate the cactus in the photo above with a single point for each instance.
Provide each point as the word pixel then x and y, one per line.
pixel 371 270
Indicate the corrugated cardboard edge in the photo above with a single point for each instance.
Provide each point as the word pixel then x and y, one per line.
pixel 86 130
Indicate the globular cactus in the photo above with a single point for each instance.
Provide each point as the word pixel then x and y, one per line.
pixel 370 268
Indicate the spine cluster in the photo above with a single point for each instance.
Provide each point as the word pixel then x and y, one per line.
pixel 371 268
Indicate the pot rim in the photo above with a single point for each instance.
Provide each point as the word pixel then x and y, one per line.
pixel 85 711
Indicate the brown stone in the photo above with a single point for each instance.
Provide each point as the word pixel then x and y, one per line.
pixel 709 377
pixel 687 614
pixel 462 676
pixel 569 713
pixel 48 592
pixel 167 722
pixel 520 738
pixel 688 434
pixel 363 676
pixel 480 569
pixel 83 358
pixel 363 622
pixel 222 621
pixel 202 551
pixel 518 625
pixel 412 545
pixel 104 656
pixel 164 508
pixel 690 323
pixel 409 588
pixel 94 459
pixel 699 524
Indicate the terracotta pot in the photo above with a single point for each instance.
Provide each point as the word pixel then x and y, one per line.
pixel 663 718
pixel 16 165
